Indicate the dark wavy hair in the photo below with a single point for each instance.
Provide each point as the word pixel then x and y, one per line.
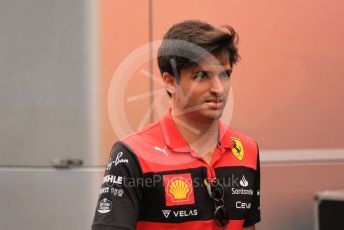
pixel 187 42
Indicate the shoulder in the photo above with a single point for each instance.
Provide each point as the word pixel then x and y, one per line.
pixel 147 133
pixel 245 139
pixel 122 154
pixel 245 148
pixel 143 143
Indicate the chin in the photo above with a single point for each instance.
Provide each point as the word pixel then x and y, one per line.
pixel 213 115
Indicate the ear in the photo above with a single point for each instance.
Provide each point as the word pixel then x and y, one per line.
pixel 170 82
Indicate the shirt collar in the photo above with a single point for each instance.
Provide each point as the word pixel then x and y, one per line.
pixel 225 136
pixel 176 142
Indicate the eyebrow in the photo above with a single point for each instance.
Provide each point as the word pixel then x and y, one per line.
pixel 197 69
pixel 228 70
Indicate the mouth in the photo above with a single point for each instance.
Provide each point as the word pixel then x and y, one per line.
pixel 215 103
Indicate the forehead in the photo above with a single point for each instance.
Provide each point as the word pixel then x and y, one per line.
pixel 220 60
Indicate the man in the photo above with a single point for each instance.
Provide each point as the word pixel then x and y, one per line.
pixel 187 170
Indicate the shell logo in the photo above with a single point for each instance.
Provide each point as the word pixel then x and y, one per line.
pixel 178 189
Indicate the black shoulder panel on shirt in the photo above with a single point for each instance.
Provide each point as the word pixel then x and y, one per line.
pixel 119 204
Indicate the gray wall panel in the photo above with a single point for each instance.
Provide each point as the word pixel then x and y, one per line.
pixel 288 190
pixel 45 81
pixel 37 199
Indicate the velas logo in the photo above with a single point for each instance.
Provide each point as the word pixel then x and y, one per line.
pixel 178 189
pixel 166 213
pixel 238 148
pixel 180 213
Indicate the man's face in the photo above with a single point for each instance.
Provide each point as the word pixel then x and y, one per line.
pixel 203 89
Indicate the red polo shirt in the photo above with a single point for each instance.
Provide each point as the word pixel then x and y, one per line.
pixel 154 180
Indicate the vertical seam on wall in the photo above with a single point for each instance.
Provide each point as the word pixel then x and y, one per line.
pixel 150 39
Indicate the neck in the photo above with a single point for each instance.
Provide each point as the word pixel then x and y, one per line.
pixel 200 134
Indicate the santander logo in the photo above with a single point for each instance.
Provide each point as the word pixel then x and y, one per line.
pixel 243 181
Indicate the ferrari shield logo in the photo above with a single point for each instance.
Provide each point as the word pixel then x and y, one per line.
pixel 238 149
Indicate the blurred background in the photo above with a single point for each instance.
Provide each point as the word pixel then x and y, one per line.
pixel 59 60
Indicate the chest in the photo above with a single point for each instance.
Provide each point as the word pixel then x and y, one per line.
pixel 183 195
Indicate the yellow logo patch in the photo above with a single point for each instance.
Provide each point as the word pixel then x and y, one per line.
pixel 178 189
pixel 238 148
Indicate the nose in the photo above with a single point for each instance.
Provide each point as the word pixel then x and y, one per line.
pixel 216 86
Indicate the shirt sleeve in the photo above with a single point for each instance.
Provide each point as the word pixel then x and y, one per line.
pixel 253 216
pixel 120 196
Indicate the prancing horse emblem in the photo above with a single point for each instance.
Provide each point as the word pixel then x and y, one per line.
pixel 238 149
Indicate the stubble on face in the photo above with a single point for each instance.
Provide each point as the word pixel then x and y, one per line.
pixel 197 99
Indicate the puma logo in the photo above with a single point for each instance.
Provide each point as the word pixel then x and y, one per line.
pixel 161 150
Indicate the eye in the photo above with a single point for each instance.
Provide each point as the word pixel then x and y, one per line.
pixel 201 75
pixel 225 74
